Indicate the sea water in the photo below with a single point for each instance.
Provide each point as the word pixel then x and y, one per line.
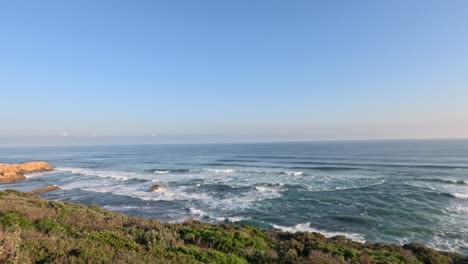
pixel 375 191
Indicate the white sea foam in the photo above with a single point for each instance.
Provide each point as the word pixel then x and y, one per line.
pixel 163 194
pixel 168 192
pixel 236 202
pixel 294 173
pixel 361 186
pixel 118 175
pixel 461 195
pixel 161 171
pixel 37 174
pixel 237 218
pixel 221 170
pixel 458 208
pixel 241 201
pixel 442 241
pixel 269 189
pixel 305 227
pixel 203 214
pixel 135 190
pixel 264 189
pixel 198 212
pixel 442 181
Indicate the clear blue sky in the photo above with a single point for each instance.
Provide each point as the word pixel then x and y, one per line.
pixel 196 71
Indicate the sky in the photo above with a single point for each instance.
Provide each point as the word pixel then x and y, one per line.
pixel 90 72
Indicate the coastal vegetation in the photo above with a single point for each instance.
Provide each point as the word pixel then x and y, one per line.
pixel 34 230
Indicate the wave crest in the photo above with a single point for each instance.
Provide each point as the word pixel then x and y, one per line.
pixel 294 173
pixel 460 195
pixel 117 175
pixel 220 170
pixel 203 214
pixel 445 181
pixel 166 170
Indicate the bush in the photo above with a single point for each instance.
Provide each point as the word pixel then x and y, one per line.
pixel 33 230
pixel 14 219
pixel 113 239
pixel 210 256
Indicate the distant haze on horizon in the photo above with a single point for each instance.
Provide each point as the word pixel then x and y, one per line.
pixel 106 72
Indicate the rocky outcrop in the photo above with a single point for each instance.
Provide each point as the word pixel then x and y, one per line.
pixel 15 172
pixel 45 189
pixel 154 188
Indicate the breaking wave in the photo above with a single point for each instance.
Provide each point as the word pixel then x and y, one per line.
pixel 294 173
pixel 460 195
pixel 117 175
pixel 220 170
pixel 203 215
pixel 446 181
pixel 165 170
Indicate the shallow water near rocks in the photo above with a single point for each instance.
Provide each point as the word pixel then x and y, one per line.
pixel 377 191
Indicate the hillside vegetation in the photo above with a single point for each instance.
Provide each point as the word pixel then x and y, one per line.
pixel 34 230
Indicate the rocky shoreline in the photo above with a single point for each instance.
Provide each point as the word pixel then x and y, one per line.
pixel 17 172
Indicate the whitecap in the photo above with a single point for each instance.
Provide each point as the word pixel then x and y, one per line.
pixel 460 195
pixel 234 219
pixel 118 175
pixel 269 189
pixel 221 170
pixel 202 214
pixel 161 171
pixel 198 212
pixel 294 173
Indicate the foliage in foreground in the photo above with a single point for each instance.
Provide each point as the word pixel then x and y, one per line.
pixel 33 230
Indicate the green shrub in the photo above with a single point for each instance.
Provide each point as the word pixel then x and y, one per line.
pixel 113 239
pixel 14 219
pixel 73 233
pixel 49 226
pixel 211 256
pixel 226 241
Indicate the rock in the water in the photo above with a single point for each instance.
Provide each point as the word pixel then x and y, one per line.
pixel 15 172
pixel 45 189
pixel 154 188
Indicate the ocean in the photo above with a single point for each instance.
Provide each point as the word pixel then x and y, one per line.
pixel 397 191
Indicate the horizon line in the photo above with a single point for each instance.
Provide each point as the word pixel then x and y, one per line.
pixel 239 142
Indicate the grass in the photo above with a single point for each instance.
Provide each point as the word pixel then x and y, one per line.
pixel 33 230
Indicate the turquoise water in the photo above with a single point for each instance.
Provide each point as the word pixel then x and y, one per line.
pixel 376 191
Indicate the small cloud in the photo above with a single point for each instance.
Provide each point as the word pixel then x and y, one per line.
pixel 154 135
pixel 64 134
